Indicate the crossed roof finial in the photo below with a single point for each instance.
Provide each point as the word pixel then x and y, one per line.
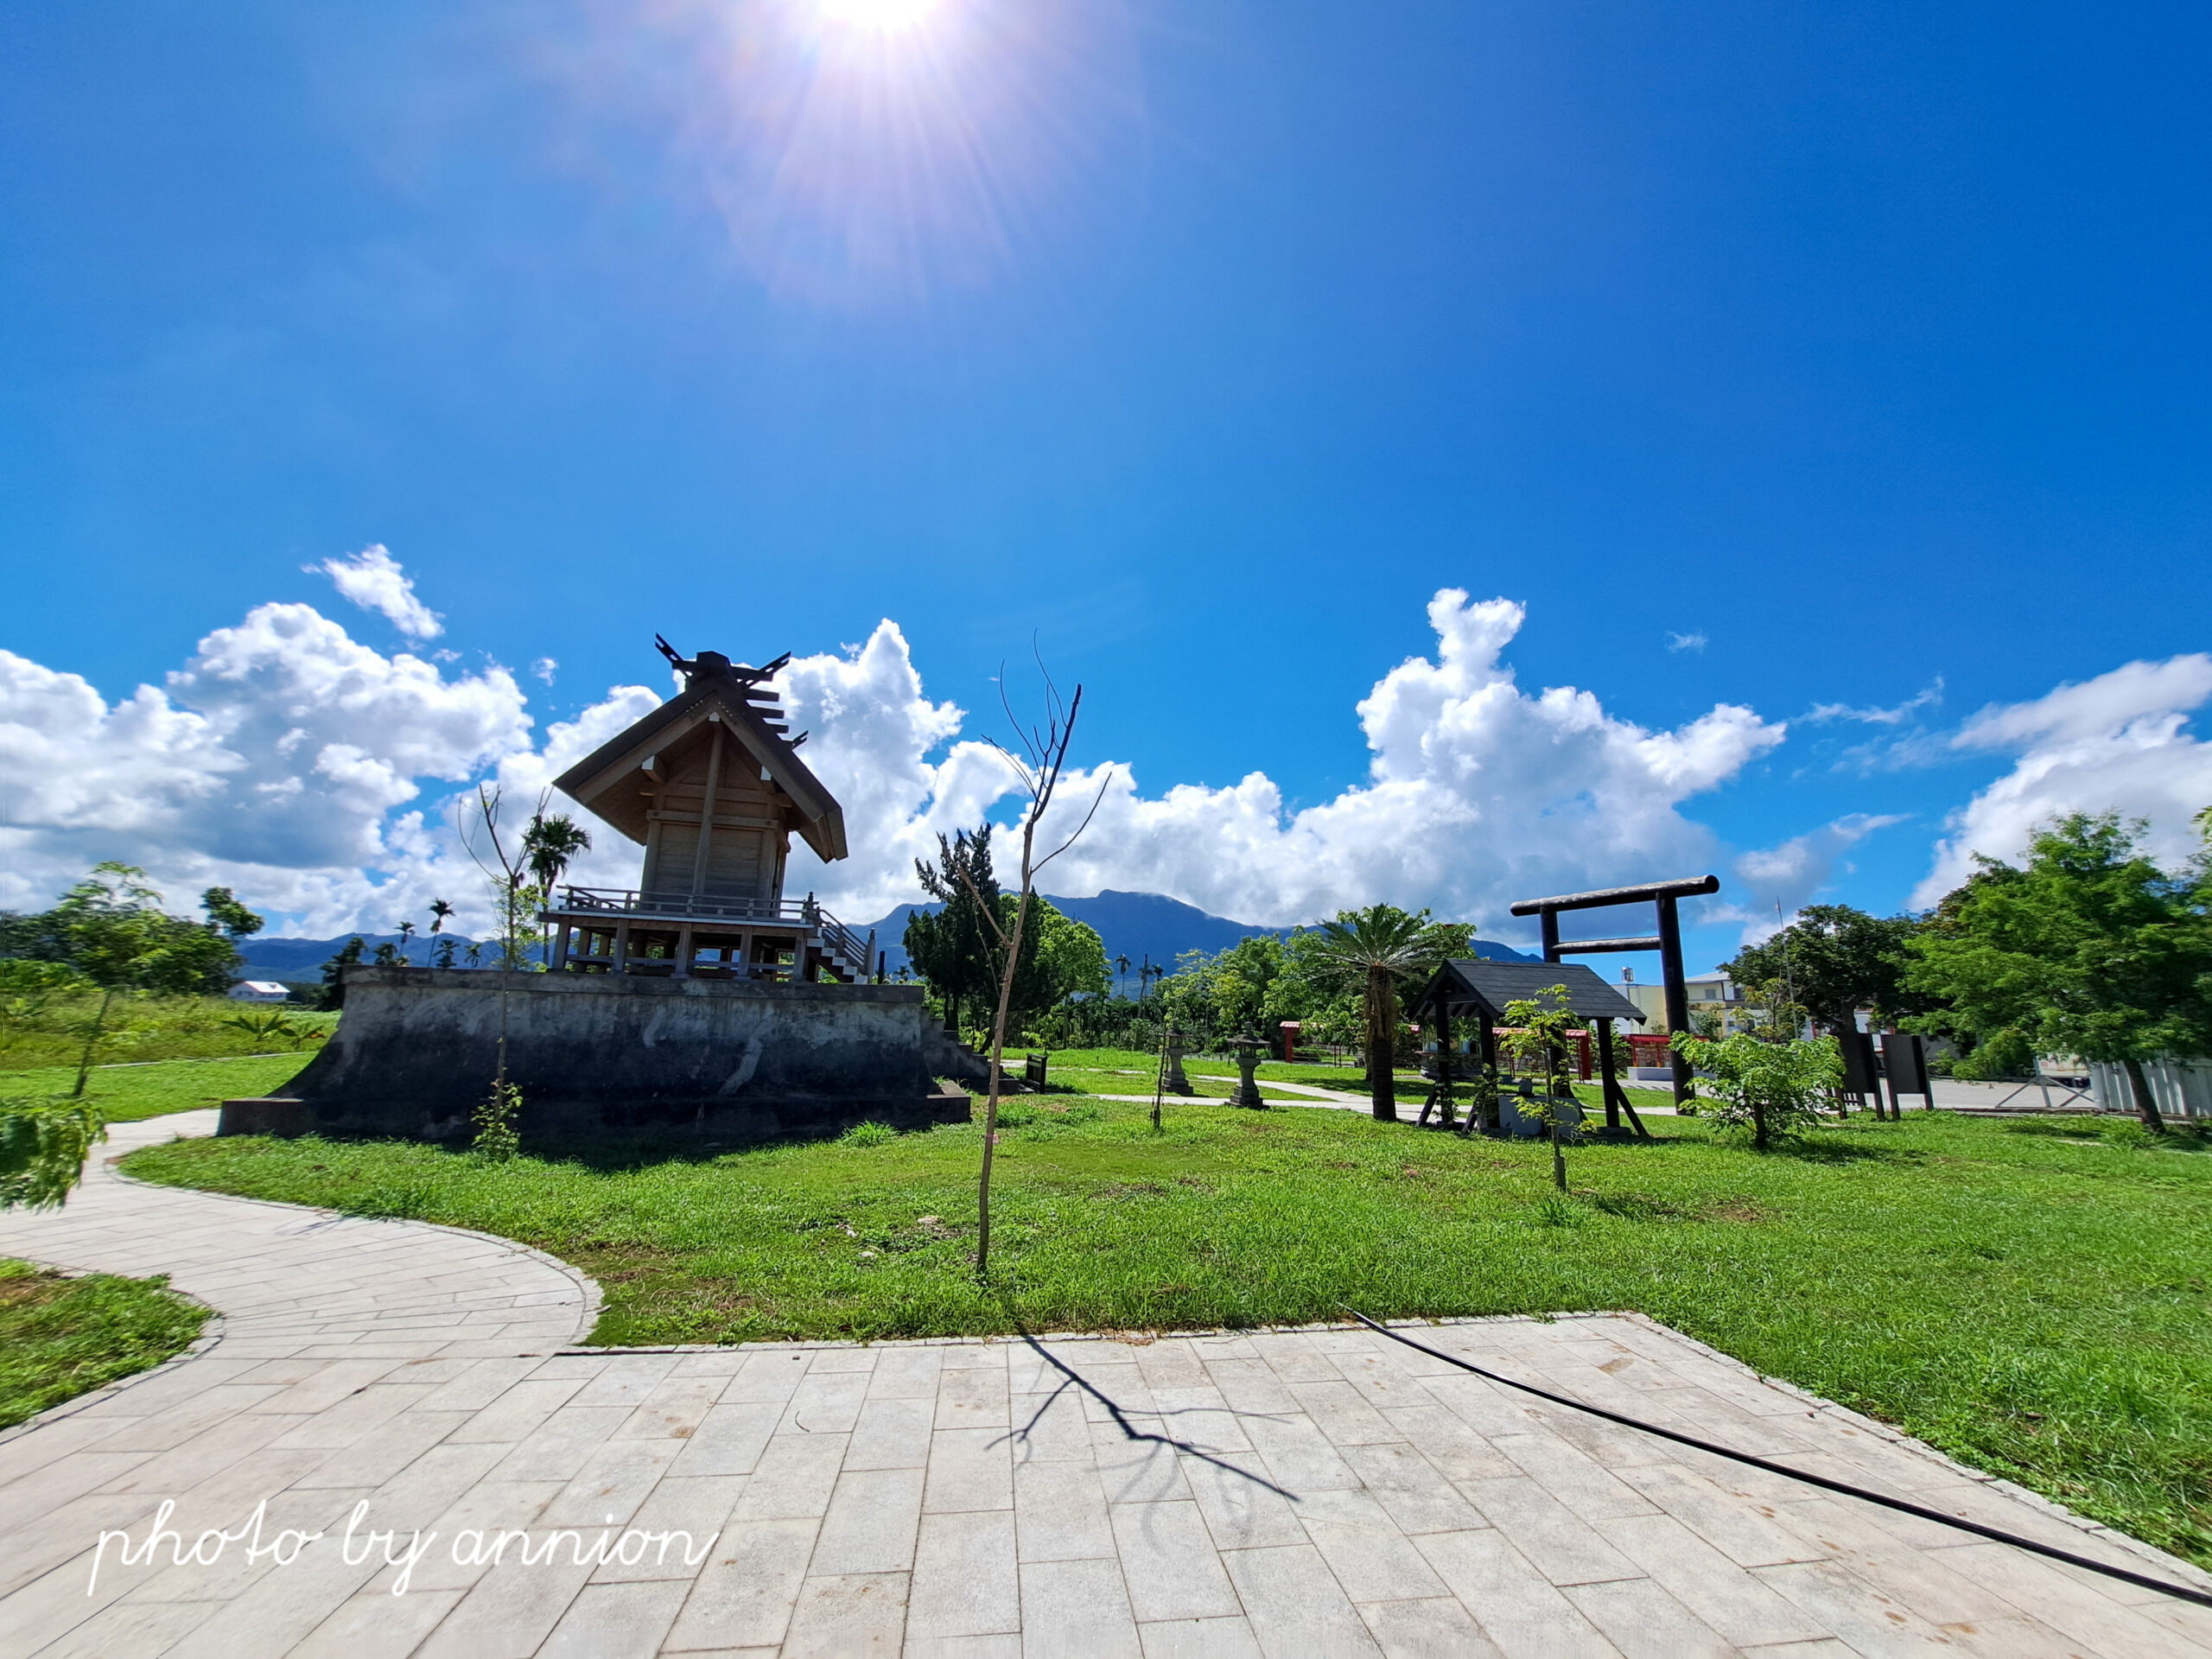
pixel 713 663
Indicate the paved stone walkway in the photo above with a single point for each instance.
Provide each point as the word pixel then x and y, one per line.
pixel 1323 1492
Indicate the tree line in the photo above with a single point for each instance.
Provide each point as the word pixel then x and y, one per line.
pixel 2085 947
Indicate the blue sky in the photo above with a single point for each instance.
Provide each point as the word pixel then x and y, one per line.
pixel 1203 343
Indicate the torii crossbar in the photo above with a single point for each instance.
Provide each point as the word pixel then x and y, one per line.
pixel 1668 942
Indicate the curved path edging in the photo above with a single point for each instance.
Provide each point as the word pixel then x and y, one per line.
pixel 293 1282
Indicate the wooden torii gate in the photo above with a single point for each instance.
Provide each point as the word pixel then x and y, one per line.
pixel 1668 942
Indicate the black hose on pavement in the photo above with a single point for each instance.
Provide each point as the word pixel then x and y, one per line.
pixel 2162 1585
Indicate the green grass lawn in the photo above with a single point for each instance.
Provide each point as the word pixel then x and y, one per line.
pixel 1349 1078
pixel 127 1093
pixel 2035 1303
pixel 60 1337
pixel 150 1028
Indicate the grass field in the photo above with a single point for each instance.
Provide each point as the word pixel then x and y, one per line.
pixel 150 1028
pixel 2036 1303
pixel 126 1093
pixel 60 1337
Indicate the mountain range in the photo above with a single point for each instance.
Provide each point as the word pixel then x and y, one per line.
pixel 1146 927
pixel 1142 926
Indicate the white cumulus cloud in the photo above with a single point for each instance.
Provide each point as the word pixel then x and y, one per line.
pixel 285 760
pixel 375 581
pixel 2117 743
pixel 1479 792
pixel 1779 880
pixel 324 780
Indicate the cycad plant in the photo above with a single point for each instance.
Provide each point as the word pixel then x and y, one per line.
pixel 1371 951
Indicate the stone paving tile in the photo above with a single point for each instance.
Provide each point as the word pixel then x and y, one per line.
pixel 1292 1604
pixel 969 1469
pixel 890 1433
pixel 615 1621
pixel 698 1509
pixel 1365 1548
pixel 848 1617
pixel 1269 1493
pixel 1518 1610
pixel 871 1524
pixel 965 1581
pixel 748 1588
pixel 1077 1610
pixel 1059 1511
pixel 1717 1589
pixel 1435 1629
pixel 1169 1562
pixel 1645 1622
pixel 1199 1638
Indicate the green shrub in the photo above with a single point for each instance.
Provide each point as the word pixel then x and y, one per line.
pixel 42 1147
pixel 2007 1053
pixel 870 1133
pixel 498 1124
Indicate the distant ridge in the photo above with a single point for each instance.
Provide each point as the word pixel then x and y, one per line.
pixel 1143 926
pixel 303 959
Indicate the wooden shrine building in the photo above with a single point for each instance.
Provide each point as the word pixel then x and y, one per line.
pixel 710 785
pixel 1481 990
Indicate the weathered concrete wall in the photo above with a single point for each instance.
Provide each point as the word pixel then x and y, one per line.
pixel 416 1049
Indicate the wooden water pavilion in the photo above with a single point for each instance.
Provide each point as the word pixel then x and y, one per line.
pixel 710 785
pixel 1481 990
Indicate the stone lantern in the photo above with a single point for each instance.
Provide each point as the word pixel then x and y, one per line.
pixel 1248 1050
pixel 1177 1046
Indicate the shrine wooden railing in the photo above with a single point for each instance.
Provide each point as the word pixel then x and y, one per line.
pixel 804 915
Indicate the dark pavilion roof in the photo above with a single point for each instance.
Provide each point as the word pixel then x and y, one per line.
pixel 738 697
pixel 1487 987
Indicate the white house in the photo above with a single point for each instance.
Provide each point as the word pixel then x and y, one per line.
pixel 259 990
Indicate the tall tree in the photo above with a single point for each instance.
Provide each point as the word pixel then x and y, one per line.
pixel 1070 959
pixel 1376 949
pixel 332 995
pixel 2087 947
pixel 112 909
pixel 956 949
pixel 116 936
pixel 1835 960
pixel 228 916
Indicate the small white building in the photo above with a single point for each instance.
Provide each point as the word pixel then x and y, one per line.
pixel 259 990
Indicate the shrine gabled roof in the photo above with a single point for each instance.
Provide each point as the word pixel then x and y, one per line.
pixel 603 781
pixel 1489 986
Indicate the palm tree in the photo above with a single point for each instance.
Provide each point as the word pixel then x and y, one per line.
pixel 548 845
pixel 406 939
pixel 1372 949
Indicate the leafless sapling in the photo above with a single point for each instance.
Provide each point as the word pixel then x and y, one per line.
pixel 1037 764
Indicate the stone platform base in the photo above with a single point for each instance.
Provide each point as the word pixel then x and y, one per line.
pixel 603 1054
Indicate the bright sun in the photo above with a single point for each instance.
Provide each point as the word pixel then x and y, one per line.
pixel 885 14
